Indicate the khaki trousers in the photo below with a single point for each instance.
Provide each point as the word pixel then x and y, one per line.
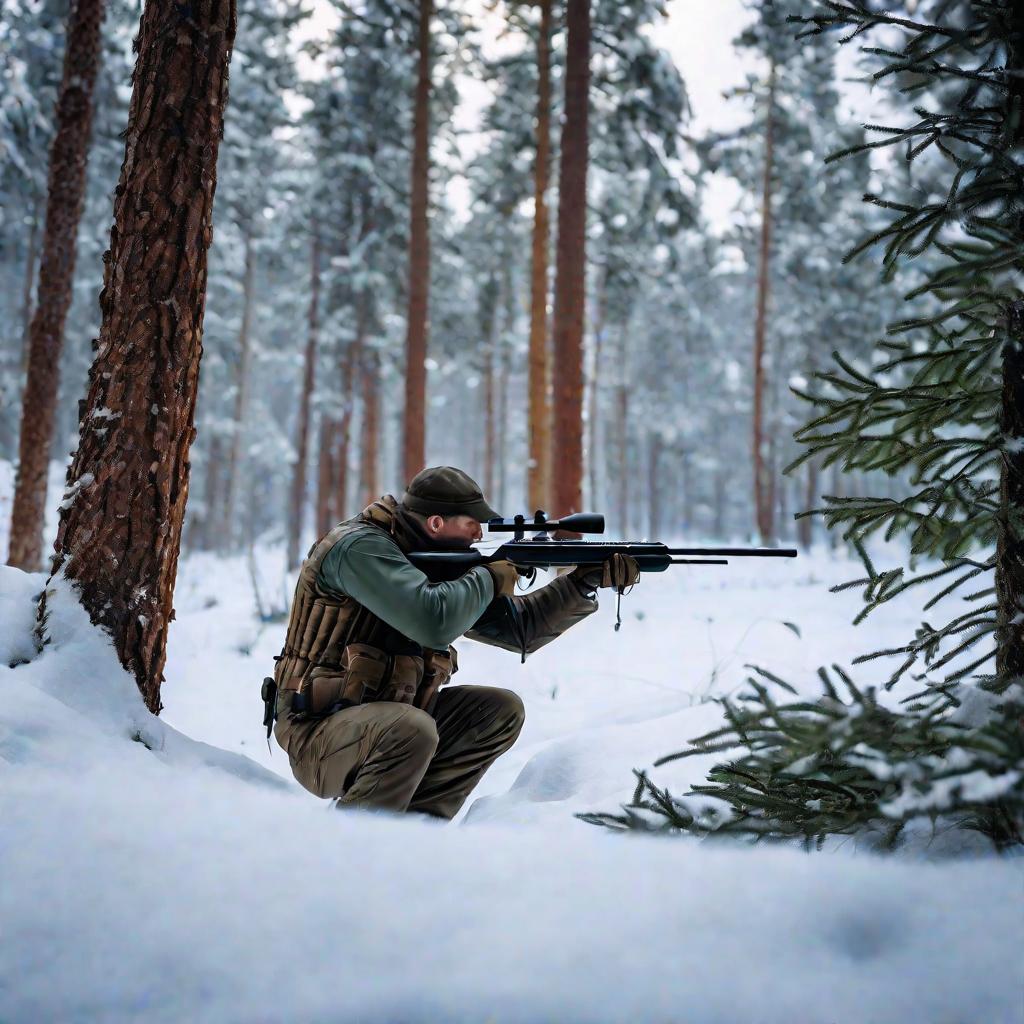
pixel 399 758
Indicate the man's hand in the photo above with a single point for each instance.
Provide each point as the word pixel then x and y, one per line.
pixel 619 571
pixel 504 575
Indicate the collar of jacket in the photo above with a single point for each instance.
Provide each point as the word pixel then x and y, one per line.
pixel 387 514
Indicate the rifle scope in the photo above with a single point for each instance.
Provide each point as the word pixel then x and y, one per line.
pixel 578 522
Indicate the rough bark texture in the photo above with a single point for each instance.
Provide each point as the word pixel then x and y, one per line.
pixel 121 520
pixel 298 492
pixel 66 191
pixel 414 435
pixel 538 480
pixel 570 285
pixel 763 499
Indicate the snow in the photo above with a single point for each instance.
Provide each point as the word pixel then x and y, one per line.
pixel 169 869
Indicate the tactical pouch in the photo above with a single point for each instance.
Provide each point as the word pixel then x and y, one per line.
pixel 438 668
pixel 372 674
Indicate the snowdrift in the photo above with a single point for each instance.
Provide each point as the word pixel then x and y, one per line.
pixel 150 877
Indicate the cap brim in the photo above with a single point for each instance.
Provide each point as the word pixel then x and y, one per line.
pixel 481 511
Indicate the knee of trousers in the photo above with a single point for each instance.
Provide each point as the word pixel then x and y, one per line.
pixel 508 708
pixel 412 728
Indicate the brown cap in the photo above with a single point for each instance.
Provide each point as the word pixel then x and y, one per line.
pixel 447 491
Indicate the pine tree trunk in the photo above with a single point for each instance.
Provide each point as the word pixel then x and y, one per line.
pixel 622 439
pixel 489 325
pixel 763 501
pixel 805 526
pixel 370 462
pixel 719 521
pixel 654 488
pixel 31 260
pixel 229 526
pixel 66 193
pixel 327 474
pixel 212 494
pixel 687 489
pixel 593 401
pixel 121 521
pixel 349 369
pixel 570 269
pixel 504 377
pixel 538 481
pixel 414 446
pixel 298 493
pixel 1010 541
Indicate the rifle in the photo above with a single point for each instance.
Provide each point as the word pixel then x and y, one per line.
pixel 542 551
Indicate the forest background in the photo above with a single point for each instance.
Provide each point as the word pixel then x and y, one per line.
pixel 673 248
pixel 567 285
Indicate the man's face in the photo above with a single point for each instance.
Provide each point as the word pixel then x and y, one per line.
pixel 459 531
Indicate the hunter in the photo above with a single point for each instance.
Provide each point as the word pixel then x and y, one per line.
pixel 359 704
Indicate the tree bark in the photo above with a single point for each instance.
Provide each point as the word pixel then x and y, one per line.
pixel 327 474
pixel 504 372
pixel 805 526
pixel 593 401
pixel 1010 540
pixel 414 440
pixel 212 494
pixel 622 440
pixel 763 500
pixel 570 284
pixel 538 479
pixel 349 369
pixel 298 493
pixel 370 462
pixel 228 525
pixel 120 526
pixel 69 155
pixel 489 326
pixel 654 487
pixel 31 259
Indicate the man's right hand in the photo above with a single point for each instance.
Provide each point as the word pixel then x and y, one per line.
pixel 504 575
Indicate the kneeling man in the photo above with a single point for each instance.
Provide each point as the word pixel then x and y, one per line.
pixel 360 708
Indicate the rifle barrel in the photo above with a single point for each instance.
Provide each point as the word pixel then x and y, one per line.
pixel 735 552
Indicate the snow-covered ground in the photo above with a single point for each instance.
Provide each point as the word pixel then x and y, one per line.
pixel 170 870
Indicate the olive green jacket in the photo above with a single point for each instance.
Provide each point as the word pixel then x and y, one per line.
pixel 368 565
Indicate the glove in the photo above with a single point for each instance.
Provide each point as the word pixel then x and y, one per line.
pixel 504 575
pixel 619 571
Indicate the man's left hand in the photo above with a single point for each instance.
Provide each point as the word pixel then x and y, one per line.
pixel 619 571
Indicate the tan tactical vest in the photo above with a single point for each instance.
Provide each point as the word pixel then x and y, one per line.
pixel 337 653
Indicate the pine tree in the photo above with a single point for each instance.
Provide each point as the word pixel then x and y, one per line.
pixel 570 285
pixel 539 459
pixel 940 402
pixel 66 192
pixel 414 447
pixel 121 517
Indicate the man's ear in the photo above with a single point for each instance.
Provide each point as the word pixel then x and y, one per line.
pixel 435 524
